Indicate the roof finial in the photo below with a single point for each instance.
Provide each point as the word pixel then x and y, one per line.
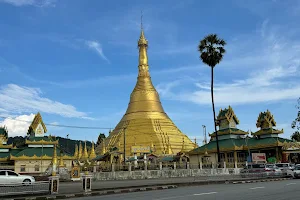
pixel 141 20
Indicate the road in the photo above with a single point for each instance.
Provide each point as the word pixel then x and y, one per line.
pixel 70 187
pixel 279 190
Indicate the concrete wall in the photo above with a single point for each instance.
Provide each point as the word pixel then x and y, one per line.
pixel 149 174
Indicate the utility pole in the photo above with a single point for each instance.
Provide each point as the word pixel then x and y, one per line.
pixel 124 132
pixel 204 133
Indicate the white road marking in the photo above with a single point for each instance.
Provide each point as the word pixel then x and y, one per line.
pixel 291 184
pixel 205 193
pixel 256 188
pixel 175 197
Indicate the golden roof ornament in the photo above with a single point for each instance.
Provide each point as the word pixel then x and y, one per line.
pixel 35 122
pixel 85 155
pixel 92 154
pixel 79 151
pixel 103 149
pixel 76 151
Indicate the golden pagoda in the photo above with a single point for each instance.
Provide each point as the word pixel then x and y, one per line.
pixel 145 118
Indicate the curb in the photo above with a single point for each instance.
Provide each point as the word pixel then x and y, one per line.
pixel 263 180
pixel 99 193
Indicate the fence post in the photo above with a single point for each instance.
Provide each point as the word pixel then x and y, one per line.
pixel 53 184
pixel 129 167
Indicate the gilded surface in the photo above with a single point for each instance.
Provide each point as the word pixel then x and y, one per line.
pixel 145 120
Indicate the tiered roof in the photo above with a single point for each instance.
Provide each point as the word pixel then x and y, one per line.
pixel 266 122
pixel 227 122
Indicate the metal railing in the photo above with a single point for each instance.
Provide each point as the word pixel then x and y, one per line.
pixel 38 187
pixel 242 176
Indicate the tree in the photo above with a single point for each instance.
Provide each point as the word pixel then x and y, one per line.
pixel 101 137
pixel 211 50
pixel 296 124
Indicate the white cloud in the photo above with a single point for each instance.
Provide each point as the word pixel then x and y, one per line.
pixel 17 99
pixel 97 47
pixel 38 3
pixel 273 79
pixel 17 126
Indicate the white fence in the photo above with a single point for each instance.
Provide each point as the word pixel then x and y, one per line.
pixel 40 187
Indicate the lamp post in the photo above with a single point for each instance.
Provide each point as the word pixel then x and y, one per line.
pixel 124 132
pixel 246 141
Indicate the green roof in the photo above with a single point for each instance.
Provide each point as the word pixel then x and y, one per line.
pixel 231 144
pixel 230 131
pixel 39 151
pixel 4 154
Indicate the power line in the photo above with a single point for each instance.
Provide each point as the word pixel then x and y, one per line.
pixel 58 125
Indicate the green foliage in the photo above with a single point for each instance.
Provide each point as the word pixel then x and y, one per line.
pixel 296 123
pixel 211 50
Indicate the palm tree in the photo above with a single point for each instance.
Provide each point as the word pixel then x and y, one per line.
pixel 211 50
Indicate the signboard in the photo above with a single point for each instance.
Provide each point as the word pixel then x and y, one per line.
pixel 258 157
pixel 140 149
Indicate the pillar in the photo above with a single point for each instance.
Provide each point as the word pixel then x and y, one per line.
pixel 87 182
pixel 129 167
pixel 135 160
pixel 160 166
pixel 174 165
pixel 235 159
pixel 200 161
pixel 225 159
pixel 53 184
pixel 188 165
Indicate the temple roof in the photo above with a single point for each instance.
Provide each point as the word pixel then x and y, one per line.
pixel 265 120
pixel 36 121
pixel 38 153
pixel 41 140
pixel 239 144
pixel 227 114
pixel 227 131
pixel 3 132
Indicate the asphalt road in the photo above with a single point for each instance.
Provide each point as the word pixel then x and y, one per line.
pixel 279 190
pixel 70 187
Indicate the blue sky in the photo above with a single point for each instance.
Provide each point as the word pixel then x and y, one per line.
pixel 75 61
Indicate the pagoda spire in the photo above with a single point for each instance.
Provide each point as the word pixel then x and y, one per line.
pixel 76 151
pixel 143 57
pixel 85 155
pixel 79 151
pixel 92 154
pixel 103 150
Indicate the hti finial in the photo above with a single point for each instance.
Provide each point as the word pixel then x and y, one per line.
pixel 142 20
